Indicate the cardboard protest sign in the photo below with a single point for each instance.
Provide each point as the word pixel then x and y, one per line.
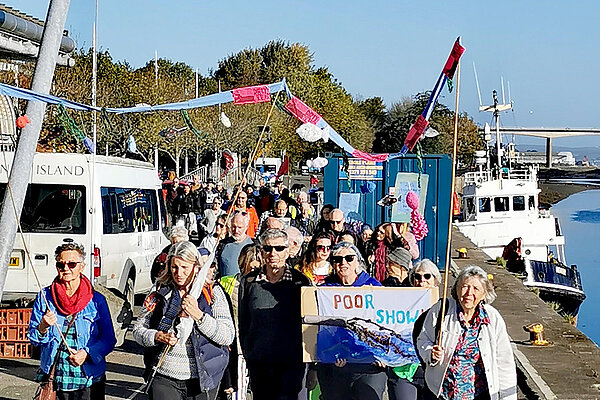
pixel 362 324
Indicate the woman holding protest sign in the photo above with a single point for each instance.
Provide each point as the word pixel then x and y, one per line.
pixel 475 359
pixel 347 380
pixel 406 382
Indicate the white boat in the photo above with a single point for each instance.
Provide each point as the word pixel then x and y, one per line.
pixel 500 205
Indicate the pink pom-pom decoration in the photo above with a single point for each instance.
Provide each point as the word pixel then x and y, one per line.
pixel 419 226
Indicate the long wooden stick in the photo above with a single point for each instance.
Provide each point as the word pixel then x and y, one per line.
pixel 454 151
pixel 227 218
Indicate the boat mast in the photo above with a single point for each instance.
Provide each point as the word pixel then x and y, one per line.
pixel 92 248
pixel 497 109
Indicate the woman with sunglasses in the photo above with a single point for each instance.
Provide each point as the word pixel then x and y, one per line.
pixel 407 382
pixel 193 366
pixel 315 260
pixel 344 380
pixel 71 305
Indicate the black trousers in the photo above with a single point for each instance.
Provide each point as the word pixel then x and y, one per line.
pixel 275 381
pixel 165 388
pixel 95 392
pixel 348 382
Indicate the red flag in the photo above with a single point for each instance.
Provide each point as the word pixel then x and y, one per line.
pixel 452 62
pixel 285 167
pixel 415 132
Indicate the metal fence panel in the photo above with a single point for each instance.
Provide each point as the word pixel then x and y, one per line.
pixel 437 204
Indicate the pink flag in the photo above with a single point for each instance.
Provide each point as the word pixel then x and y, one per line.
pixel 369 157
pixel 251 95
pixel 301 111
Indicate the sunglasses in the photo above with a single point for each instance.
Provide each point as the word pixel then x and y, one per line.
pixel 269 249
pixel 63 265
pixel 332 221
pixel 339 259
pixel 419 277
pixel 220 225
pixel 323 248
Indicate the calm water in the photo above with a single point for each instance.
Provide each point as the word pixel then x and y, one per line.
pixel 579 217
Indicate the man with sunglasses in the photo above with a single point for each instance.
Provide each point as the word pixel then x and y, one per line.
pixel 72 306
pixel 270 323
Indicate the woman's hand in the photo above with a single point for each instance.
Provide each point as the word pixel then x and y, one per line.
pixel 437 353
pixel 166 338
pixel 77 357
pixel 48 319
pixel 340 362
pixel 190 307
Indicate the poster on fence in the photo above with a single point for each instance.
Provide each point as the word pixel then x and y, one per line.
pixel 407 182
pixel 362 324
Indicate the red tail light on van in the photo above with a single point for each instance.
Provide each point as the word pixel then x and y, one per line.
pixel 97 262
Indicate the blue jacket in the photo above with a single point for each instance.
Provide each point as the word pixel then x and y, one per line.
pixel 362 280
pixel 94 330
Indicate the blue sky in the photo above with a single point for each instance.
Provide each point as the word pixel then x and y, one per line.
pixel 547 50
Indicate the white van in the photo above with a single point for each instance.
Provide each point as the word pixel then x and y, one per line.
pixel 128 228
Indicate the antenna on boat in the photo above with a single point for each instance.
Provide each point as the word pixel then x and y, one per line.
pixel 497 108
pixel 477 84
pixel 502 84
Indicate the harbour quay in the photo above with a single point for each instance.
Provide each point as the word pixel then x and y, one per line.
pixel 567 368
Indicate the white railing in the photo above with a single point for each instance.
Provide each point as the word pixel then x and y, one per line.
pixel 476 177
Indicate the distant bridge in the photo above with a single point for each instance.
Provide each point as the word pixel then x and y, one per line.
pixel 548 134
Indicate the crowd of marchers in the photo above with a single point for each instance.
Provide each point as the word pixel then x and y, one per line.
pixel 245 323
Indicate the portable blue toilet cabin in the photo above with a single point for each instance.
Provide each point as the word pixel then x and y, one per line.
pixel 359 185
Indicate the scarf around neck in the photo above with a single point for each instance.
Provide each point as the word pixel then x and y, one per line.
pixel 69 305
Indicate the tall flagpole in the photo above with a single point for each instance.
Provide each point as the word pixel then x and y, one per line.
pixel 91 250
pixel 454 151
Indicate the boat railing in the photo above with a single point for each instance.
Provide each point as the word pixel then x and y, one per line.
pixel 477 177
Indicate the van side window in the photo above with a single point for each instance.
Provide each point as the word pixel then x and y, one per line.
pixel 484 205
pixel 52 208
pixel 500 204
pixel 519 203
pixel 129 210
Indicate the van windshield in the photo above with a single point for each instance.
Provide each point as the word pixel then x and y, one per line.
pixel 52 208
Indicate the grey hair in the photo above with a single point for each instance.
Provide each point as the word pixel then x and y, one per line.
pixel 270 234
pixel 187 251
pixel 475 271
pixel 346 245
pixel 71 246
pixel 180 232
pixel 244 215
pixel 427 266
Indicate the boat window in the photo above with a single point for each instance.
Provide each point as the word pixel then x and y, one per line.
pixel 531 202
pixel 52 208
pixel 500 204
pixel 519 203
pixel 484 204
pixel 469 208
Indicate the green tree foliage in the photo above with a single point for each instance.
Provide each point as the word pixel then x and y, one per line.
pixel 393 126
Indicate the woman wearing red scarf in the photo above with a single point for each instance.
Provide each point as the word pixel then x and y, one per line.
pixel 71 305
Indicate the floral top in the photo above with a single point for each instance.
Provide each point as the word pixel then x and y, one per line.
pixel 465 377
